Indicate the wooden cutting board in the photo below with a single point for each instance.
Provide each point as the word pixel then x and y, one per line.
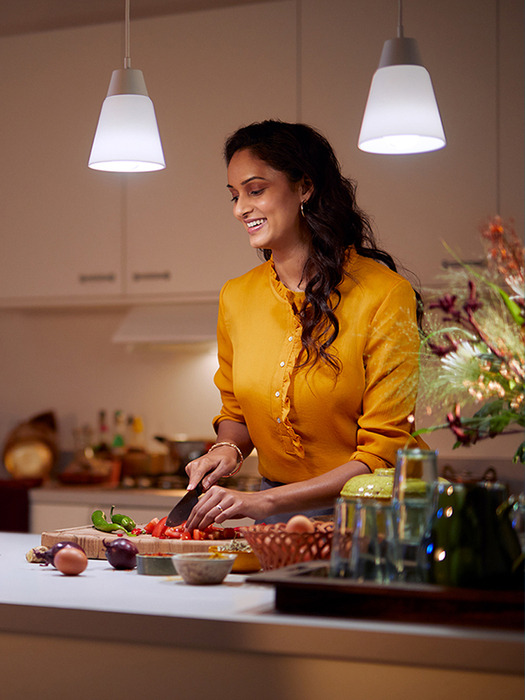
pixel 92 542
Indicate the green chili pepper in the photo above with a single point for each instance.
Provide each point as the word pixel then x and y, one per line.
pixel 98 518
pixel 124 520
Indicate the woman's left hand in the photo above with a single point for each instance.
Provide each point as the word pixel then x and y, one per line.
pixel 219 504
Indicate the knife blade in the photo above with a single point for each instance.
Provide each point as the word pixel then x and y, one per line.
pixel 181 510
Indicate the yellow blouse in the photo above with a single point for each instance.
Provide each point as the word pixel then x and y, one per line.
pixel 307 421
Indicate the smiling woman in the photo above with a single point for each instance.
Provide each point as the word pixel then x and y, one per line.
pixel 318 345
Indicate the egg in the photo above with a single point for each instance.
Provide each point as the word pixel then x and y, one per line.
pixel 70 561
pixel 300 524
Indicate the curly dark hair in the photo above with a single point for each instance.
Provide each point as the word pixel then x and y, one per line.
pixel 335 222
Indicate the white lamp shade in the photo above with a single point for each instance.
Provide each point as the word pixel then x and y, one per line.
pixel 401 114
pixel 127 137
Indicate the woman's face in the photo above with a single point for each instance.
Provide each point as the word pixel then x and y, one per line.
pixel 266 202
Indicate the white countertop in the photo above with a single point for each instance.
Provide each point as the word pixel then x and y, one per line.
pixel 105 604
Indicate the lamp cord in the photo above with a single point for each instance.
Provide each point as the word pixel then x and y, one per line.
pixel 498 110
pixel 299 59
pixel 400 31
pixel 127 57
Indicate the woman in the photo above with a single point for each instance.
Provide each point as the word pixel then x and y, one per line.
pixel 317 345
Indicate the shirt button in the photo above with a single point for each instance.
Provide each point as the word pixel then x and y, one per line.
pixel 277 393
pixel 278 420
pixel 281 364
pixel 290 338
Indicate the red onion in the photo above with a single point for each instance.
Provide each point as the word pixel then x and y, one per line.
pixel 49 556
pixel 121 553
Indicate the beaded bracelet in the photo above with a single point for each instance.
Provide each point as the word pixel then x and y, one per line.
pixel 236 448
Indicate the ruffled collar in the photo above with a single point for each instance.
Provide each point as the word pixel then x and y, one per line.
pixel 281 289
pixel 298 298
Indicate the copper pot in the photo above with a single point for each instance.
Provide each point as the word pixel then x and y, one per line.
pixel 141 463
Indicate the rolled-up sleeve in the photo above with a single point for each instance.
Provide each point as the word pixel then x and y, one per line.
pixel 391 380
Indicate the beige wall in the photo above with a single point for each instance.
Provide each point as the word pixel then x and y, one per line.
pixel 64 360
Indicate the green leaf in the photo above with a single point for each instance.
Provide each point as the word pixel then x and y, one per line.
pixel 499 423
pixel 514 309
pixel 520 454
pixel 490 409
pixel 431 429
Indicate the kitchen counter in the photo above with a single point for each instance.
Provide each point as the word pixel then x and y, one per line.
pixel 126 635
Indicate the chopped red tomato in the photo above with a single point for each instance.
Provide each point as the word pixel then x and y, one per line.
pixel 228 533
pixel 173 533
pixel 151 526
pixel 157 528
pixel 160 527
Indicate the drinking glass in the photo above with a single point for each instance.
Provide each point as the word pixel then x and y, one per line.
pixel 362 546
pixel 414 480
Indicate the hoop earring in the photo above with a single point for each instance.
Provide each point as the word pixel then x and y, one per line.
pixel 302 210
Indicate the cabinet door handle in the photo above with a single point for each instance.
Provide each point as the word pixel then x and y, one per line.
pixel 109 277
pixel 147 276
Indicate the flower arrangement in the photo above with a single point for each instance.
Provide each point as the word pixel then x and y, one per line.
pixel 473 353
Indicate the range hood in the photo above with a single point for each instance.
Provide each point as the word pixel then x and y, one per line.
pixel 171 324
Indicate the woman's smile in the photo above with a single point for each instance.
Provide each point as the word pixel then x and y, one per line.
pixel 254 224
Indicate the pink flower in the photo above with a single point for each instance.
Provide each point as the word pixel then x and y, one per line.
pixel 456 425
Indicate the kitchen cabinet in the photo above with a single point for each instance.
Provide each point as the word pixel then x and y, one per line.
pixel 60 222
pixel 71 235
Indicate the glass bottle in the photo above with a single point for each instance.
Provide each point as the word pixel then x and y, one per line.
pixel 102 446
pixel 118 442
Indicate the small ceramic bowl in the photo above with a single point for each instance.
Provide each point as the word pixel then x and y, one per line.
pixel 155 565
pixel 202 568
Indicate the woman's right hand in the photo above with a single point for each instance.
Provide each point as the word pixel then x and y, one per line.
pixel 211 467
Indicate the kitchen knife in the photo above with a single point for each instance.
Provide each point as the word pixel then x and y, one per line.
pixel 181 511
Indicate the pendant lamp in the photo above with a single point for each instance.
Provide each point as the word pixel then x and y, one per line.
pixel 127 138
pixel 401 114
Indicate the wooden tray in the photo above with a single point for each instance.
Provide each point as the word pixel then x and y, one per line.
pixel 307 589
pixel 92 542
